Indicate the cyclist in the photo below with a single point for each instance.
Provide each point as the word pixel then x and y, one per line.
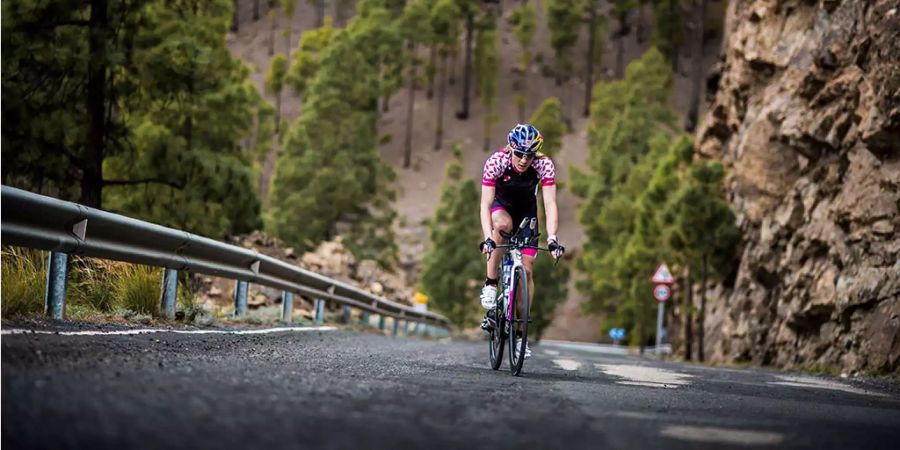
pixel 509 186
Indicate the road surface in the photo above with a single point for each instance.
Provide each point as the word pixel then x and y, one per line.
pixel 340 389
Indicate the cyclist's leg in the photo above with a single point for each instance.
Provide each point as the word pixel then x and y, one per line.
pixel 501 222
pixel 528 262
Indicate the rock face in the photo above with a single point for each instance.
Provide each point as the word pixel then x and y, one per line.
pixel 806 115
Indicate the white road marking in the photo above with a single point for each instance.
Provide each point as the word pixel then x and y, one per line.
pixel 551 352
pixel 567 364
pixel 819 383
pixel 648 384
pixel 159 330
pixel 587 347
pixel 645 375
pixel 721 435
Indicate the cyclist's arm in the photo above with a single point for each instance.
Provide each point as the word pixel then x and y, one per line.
pixel 550 210
pixel 487 198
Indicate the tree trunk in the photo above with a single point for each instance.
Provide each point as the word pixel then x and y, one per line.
pixel 641 28
pixel 690 121
pixel 278 111
pixel 467 71
pixel 411 98
pixel 559 68
pixel 702 316
pixel 642 337
pixel 92 168
pixel 488 111
pixel 442 90
pixel 620 44
pixel 432 63
pixel 320 13
pixel 688 317
pixel 454 55
pixel 272 33
pixel 234 18
pixel 592 42
pixel 255 10
pixel 287 43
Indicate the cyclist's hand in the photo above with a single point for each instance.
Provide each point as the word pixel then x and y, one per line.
pixel 554 247
pixel 487 246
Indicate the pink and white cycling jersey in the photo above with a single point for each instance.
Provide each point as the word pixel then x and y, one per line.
pixel 500 163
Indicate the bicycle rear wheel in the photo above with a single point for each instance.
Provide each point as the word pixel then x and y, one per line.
pixel 520 322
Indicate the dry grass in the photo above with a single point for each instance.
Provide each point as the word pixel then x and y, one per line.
pixel 23 281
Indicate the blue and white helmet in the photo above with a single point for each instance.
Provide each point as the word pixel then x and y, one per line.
pixel 525 138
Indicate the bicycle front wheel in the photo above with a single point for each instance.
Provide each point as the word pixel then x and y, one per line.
pixel 518 328
pixel 498 339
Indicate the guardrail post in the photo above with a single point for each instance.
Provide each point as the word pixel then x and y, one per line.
pixel 240 298
pixel 320 310
pixel 365 319
pixel 287 306
pixel 396 326
pixel 346 316
pixel 57 280
pixel 169 292
pixel 381 322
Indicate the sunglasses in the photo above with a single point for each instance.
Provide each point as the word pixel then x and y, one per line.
pixel 523 155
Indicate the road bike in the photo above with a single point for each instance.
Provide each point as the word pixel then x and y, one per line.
pixel 507 325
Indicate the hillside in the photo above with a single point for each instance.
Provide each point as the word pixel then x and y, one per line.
pixel 419 186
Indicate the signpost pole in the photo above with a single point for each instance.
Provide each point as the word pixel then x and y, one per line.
pixel 659 324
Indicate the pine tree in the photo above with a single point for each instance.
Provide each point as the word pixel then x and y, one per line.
pixel 667 36
pixel 524 22
pixel 621 8
pixel 329 174
pixel 452 266
pixel 312 43
pixel 548 119
pixel 275 84
pixel 704 231
pixel 468 8
pixel 596 25
pixel 486 62
pixel 630 119
pixel 562 18
pixel 415 28
pixel 690 121
pixel 148 124
pixel 445 27
pixel 289 6
pixel 273 25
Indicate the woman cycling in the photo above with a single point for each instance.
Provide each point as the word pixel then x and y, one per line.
pixel 509 189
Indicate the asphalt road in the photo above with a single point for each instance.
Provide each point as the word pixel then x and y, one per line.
pixel 339 389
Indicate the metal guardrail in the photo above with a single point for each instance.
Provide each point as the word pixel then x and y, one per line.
pixel 65 228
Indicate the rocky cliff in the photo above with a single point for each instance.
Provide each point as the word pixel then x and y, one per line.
pixel 806 114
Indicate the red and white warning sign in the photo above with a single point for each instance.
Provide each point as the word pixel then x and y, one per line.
pixel 662 275
pixel 662 292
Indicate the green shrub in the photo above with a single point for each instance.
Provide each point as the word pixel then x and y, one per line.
pixel 23 281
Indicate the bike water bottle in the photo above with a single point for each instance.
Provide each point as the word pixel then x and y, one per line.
pixel 507 276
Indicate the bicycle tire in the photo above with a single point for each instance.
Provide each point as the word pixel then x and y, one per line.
pixel 497 341
pixel 517 359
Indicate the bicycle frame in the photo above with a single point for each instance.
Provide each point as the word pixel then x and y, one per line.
pixel 516 255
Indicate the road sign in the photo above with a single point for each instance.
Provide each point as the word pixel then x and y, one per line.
pixel 662 292
pixel 617 334
pixel 662 275
pixel 420 302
